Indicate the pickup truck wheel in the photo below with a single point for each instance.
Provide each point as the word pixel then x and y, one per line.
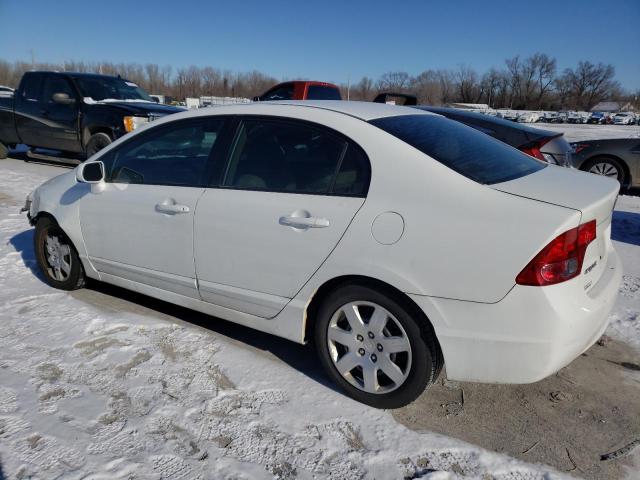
pixel 4 151
pixel 97 142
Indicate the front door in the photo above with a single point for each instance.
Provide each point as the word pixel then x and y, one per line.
pixel 289 192
pixel 140 227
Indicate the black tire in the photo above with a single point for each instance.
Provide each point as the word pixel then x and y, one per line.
pixel 605 164
pixel 426 357
pixel 4 151
pixel 97 142
pixel 75 278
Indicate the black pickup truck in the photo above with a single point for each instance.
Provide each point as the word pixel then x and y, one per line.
pixel 74 113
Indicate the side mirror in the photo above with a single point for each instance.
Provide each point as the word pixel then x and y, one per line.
pixel 90 172
pixel 63 98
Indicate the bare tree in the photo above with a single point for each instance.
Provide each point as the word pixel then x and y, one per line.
pixel 589 84
pixel 395 81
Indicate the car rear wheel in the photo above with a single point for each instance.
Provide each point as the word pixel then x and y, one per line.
pixel 374 348
pixel 56 256
pixel 608 167
pixel 97 142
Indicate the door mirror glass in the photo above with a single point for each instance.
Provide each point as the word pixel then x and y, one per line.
pixel 63 98
pixel 90 172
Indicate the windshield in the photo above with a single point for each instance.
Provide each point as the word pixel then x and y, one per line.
pixel 323 92
pixel 463 149
pixel 110 88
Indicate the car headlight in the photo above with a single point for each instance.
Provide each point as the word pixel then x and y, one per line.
pixel 131 123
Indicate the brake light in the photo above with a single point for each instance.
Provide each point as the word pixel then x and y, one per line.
pixel 561 260
pixel 533 148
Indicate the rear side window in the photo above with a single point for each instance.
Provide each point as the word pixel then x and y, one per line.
pixel 31 87
pixel 295 157
pixel 284 92
pixel 467 151
pixel 321 92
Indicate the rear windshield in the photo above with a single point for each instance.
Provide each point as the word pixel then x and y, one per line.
pixel 319 92
pixel 467 151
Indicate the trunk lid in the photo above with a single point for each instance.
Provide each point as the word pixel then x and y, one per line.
pixel 593 195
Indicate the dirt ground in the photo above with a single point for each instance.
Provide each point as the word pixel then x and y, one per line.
pixel 589 408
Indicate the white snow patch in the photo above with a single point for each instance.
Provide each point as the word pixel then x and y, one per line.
pixel 96 393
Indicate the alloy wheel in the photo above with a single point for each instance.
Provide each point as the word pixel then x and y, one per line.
pixel 606 169
pixel 369 347
pixel 58 256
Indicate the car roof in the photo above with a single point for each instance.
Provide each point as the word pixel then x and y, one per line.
pixel 361 110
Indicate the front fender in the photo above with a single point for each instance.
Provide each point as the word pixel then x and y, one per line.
pixel 60 197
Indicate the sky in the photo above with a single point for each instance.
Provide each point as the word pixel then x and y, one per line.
pixel 325 40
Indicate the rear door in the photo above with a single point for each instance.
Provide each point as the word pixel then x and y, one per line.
pixel 28 108
pixel 286 197
pixel 59 129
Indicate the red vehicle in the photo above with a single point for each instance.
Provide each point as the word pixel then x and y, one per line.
pixel 301 90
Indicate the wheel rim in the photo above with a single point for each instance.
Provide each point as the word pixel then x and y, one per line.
pixel 58 256
pixel 369 347
pixel 605 168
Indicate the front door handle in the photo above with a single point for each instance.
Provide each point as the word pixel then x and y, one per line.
pixel 304 222
pixel 171 208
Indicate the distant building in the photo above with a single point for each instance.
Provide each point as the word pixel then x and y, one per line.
pixel 613 107
pixel 469 106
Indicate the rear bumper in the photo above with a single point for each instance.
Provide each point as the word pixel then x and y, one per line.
pixel 530 334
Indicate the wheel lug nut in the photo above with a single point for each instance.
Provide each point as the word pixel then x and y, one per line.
pixel 361 351
pixel 359 337
pixel 371 335
pixel 374 358
pixel 379 347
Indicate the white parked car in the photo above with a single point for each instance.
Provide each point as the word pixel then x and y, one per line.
pixel 396 239
pixel 624 118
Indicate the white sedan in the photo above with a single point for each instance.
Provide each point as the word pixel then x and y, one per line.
pixel 396 239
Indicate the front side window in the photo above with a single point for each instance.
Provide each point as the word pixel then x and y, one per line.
pixel 287 156
pixel 461 148
pixel 56 84
pixel 175 155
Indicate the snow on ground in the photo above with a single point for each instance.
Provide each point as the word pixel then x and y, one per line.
pixel 579 132
pixel 96 387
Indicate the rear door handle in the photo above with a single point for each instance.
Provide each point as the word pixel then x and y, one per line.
pixel 171 208
pixel 304 222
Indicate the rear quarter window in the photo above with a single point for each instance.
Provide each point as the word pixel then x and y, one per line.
pixel 461 148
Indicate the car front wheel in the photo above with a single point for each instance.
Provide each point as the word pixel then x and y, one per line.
pixel 57 257
pixel 373 347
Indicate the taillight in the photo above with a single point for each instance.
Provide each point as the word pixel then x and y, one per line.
pixel 578 147
pixel 533 148
pixel 561 260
